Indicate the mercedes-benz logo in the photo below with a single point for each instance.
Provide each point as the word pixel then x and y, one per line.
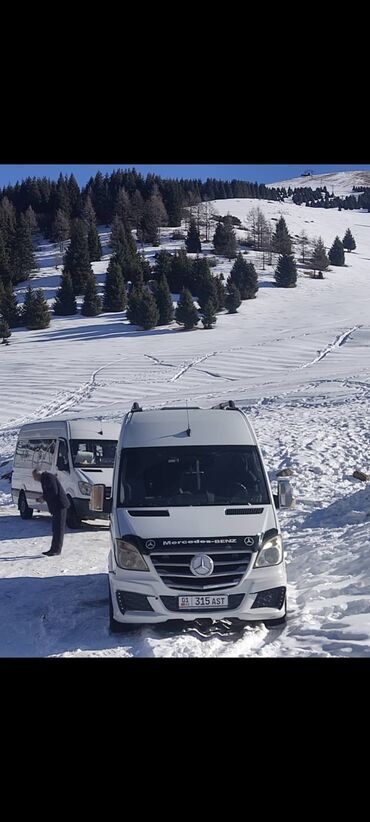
pixel 150 544
pixel 248 541
pixel 202 565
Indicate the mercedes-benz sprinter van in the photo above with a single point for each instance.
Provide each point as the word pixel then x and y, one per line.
pixel 194 528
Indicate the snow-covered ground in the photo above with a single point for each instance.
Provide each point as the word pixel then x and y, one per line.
pixel 297 360
pixel 340 182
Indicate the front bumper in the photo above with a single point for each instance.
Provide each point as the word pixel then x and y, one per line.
pixel 150 601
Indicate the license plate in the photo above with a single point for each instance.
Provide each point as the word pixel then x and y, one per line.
pixel 203 602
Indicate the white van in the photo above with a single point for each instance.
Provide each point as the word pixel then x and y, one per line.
pixel 79 452
pixel 194 528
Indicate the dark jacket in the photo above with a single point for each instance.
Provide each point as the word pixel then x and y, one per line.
pixel 53 493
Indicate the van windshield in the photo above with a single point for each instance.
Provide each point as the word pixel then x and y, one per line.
pixel 93 453
pixel 199 475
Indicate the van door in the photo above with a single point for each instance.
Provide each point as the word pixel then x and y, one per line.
pixel 63 461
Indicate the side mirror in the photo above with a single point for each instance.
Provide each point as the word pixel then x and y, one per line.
pixel 97 497
pixel 284 494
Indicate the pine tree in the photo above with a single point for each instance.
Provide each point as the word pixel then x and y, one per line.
pixel 348 241
pixel 232 299
pixel 224 240
pixel 181 275
pixel 8 222
pixel 9 307
pixel 35 310
pixel 134 300
pixel 75 199
pixel 23 260
pixel 319 260
pixel 5 269
pixel 95 250
pixel 136 208
pixel 148 314
pixel 91 305
pixel 62 201
pixel 221 292
pixel 2 293
pixel 88 213
pixel 286 272
pixel 148 228
pixel 192 242
pixel 163 264
pixel 5 331
pixel 28 306
pixel 186 314
pixel 121 240
pixel 114 291
pixel 65 303
pixel 164 302
pixel 60 228
pixel 336 253
pixel 244 276
pixel 77 258
pixel 122 205
pixel 281 241
pixel 31 219
pixel 208 315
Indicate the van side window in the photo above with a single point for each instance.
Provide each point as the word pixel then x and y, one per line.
pixel 62 460
pixel 34 452
pixel 21 453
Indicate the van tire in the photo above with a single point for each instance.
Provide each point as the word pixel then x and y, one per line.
pixel 73 521
pixel 25 511
pixel 114 626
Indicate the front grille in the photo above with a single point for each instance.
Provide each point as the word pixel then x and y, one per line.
pixel 129 601
pixel 171 603
pixel 173 567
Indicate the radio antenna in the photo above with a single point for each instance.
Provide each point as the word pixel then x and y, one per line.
pixel 188 430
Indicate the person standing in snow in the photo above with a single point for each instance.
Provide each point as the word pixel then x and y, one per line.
pixel 57 502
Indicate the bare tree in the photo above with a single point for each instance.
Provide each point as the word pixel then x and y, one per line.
pixel 303 242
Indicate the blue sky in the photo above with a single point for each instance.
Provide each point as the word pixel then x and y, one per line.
pixel 255 173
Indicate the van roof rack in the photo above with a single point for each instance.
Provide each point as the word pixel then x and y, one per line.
pixel 230 404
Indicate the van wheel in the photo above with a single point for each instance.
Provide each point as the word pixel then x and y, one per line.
pixel 25 511
pixel 274 623
pixel 114 626
pixel 73 521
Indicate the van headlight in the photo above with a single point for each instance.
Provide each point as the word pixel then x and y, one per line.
pixel 271 552
pixel 128 557
pixel 85 488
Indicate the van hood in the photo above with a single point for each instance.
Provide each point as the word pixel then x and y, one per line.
pixel 96 476
pixel 192 522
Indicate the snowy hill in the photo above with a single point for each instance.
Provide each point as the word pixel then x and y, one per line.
pixel 297 360
pixel 339 182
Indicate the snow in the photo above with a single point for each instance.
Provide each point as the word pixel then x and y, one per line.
pixel 297 360
pixel 339 182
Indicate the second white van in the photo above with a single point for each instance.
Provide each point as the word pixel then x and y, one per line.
pixel 79 452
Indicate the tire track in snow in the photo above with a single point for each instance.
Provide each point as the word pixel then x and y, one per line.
pixel 340 340
pixel 191 364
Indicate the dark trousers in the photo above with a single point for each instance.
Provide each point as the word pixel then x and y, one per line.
pixel 58 526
